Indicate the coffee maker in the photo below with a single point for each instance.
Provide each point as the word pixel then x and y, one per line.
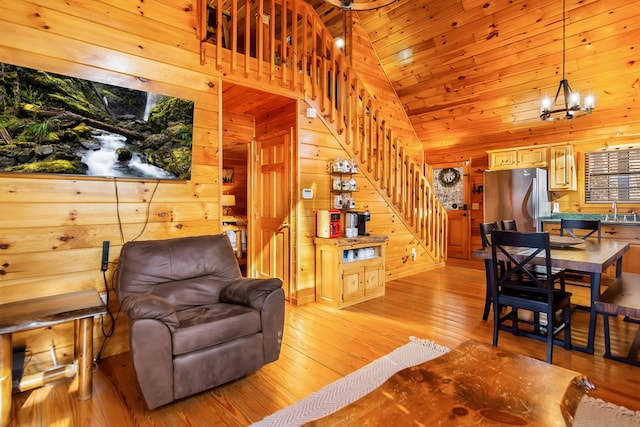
pixel 363 218
pixel 328 223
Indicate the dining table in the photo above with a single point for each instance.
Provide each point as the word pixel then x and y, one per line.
pixel 589 256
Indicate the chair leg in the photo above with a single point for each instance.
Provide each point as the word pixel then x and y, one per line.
pixel 550 318
pixel 496 322
pixel 487 304
pixel 487 297
pixel 567 327
pixel 607 337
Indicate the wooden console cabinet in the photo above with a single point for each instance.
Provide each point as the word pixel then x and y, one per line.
pixel 349 270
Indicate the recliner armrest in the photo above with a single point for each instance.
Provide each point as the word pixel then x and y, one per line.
pixel 250 292
pixel 145 306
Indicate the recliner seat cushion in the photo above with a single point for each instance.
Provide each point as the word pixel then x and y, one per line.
pixel 214 324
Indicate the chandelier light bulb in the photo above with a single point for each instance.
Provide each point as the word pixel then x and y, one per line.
pixel 574 100
pixel 590 102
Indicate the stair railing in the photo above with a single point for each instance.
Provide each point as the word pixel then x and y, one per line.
pixel 284 43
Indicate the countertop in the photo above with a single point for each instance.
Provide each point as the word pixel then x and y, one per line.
pixel 345 241
pixel 604 219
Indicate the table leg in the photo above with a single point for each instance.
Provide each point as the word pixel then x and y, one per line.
pixel 83 349
pixel 593 316
pixel 6 356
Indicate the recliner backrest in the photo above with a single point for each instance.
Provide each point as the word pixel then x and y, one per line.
pixel 144 265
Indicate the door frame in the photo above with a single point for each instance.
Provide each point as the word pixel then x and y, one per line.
pixel 466 198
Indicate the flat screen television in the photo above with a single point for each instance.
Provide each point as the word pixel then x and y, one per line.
pixel 55 124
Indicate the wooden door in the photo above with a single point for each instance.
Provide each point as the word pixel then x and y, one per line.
pixel 270 207
pixel 451 184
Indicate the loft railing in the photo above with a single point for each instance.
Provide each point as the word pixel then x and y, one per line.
pixel 285 44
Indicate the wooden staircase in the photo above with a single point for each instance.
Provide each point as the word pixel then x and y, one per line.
pixel 285 43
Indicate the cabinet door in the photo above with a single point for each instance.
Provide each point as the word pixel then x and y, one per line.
pixel 533 157
pixel 373 280
pixel 352 283
pixel 502 160
pixel 562 169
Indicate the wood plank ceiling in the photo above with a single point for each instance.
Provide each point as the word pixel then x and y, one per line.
pixel 471 73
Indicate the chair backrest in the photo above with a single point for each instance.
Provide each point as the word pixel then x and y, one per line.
pixel 589 227
pixel 519 249
pixel 509 224
pixel 147 266
pixel 485 232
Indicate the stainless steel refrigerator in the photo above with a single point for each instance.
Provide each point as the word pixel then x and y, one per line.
pixel 519 194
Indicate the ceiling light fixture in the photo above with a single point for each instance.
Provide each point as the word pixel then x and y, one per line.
pixel 571 107
pixel 360 5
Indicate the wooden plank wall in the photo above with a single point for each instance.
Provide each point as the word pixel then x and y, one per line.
pixel 237 133
pixel 365 61
pixel 52 228
pixel 317 148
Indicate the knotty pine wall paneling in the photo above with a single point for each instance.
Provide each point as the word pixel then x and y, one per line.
pixel 318 147
pixel 53 227
pixel 365 62
pixel 238 131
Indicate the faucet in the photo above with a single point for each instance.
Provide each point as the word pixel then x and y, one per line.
pixel 614 206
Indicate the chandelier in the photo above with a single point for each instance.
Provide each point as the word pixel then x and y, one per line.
pixel 360 5
pixel 571 106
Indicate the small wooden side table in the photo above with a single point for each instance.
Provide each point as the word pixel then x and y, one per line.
pixel 474 384
pixel 80 306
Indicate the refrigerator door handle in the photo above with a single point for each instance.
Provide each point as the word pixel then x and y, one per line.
pixel 535 202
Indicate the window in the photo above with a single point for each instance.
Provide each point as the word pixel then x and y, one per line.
pixel 612 176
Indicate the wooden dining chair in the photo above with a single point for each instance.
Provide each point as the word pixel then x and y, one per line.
pixel 485 236
pixel 509 224
pixel 580 229
pixel 587 227
pixel 520 288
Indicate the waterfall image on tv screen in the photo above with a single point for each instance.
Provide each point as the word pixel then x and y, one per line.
pixel 55 124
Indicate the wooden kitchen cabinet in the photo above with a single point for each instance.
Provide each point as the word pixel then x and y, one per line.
pixel 562 168
pixel 524 157
pixel 626 233
pixel 502 160
pixel 343 279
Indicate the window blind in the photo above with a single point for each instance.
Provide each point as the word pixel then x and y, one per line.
pixel 612 176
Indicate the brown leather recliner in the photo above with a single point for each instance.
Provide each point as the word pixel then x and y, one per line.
pixel 194 321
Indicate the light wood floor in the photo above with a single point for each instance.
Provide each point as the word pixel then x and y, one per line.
pixel 321 345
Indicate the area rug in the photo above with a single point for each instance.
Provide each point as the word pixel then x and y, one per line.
pixel 355 385
pixel 594 412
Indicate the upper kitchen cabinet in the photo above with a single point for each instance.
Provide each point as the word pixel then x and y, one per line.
pixel 524 157
pixel 562 168
pixel 559 159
